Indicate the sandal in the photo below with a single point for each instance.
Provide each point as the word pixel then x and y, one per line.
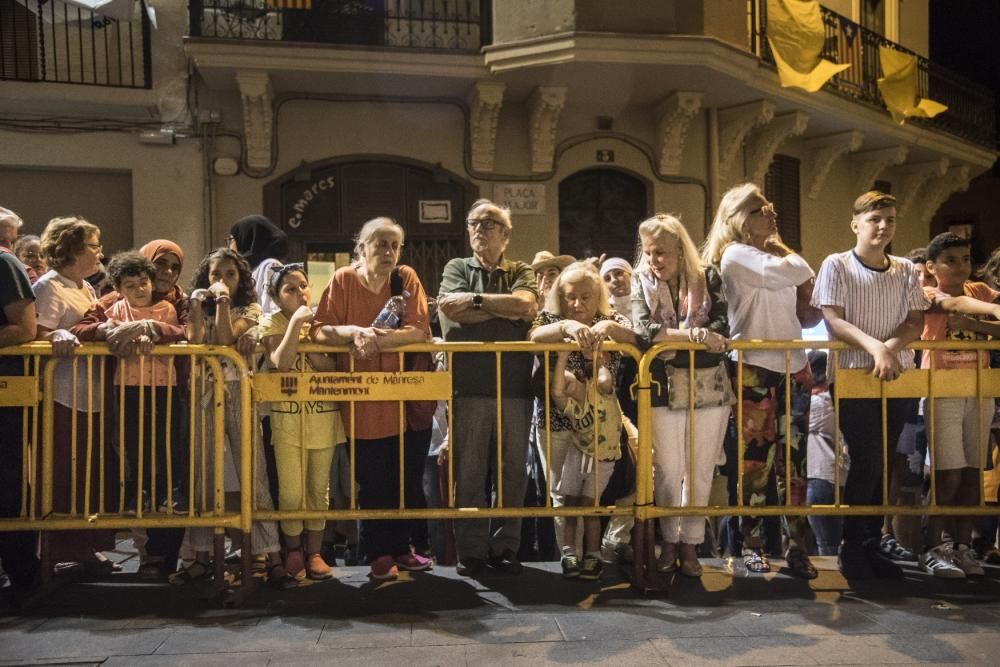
pixel 799 563
pixel 754 561
pixel 194 573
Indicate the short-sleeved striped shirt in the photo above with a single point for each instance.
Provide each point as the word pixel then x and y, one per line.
pixel 876 301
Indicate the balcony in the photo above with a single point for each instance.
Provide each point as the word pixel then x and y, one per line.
pixel 971 111
pixel 43 40
pixel 458 26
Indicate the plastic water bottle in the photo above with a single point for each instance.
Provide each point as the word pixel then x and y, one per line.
pixel 392 312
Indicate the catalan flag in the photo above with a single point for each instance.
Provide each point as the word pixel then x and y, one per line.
pixel 289 4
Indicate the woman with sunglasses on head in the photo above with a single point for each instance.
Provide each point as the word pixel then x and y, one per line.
pixel 762 278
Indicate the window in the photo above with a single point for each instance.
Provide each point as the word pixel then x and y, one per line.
pixel 781 186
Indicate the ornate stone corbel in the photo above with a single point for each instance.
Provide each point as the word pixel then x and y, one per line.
pixel 734 124
pixel 912 177
pixel 937 190
pixel 484 103
pixel 822 153
pixel 763 143
pixel 870 164
pixel 673 116
pixel 545 106
pixel 258 116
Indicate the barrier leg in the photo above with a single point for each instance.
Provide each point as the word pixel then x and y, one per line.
pixel 219 561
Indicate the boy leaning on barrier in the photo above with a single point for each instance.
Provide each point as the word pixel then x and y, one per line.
pixel 957 426
pixel 874 302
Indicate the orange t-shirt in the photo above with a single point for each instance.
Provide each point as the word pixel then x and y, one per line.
pixel 154 370
pixel 936 328
pixel 346 301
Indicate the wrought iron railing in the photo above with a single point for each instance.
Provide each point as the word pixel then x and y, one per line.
pixel 456 25
pixel 48 40
pixel 971 110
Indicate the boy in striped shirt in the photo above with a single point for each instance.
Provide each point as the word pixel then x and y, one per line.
pixel 872 301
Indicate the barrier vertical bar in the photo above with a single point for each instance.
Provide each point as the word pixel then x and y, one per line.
pixel 121 441
pixel 168 441
pixel 402 431
pixel 73 436
pixel 499 436
pixel 547 371
pixel 644 473
pixel 25 448
pixel 883 397
pixel 739 427
pixel 929 411
pixel 983 437
pixel 88 461
pixel 788 427
pixel 140 477
pixel 35 440
pixel 690 428
pixel 103 440
pixel 837 453
pixel 451 440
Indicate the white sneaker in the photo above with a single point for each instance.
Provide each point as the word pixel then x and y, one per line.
pixel 940 561
pixel 965 558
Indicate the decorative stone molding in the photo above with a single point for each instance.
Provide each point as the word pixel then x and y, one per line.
pixel 937 190
pixel 545 105
pixel 763 143
pixel 912 177
pixel 673 116
pixel 734 125
pixel 822 153
pixel 870 164
pixel 484 104
pixel 258 116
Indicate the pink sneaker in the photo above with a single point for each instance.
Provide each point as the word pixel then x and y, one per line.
pixel 384 569
pixel 414 562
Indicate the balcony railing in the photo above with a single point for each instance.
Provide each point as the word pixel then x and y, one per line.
pixel 450 25
pixel 971 110
pixel 44 40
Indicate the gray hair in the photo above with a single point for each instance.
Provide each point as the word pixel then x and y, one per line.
pixel 575 273
pixel 372 228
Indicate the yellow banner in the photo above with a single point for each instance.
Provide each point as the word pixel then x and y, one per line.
pixel 18 391
pixel 858 383
pixel 271 387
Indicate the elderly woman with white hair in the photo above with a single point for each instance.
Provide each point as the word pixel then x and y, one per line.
pixel 350 313
pixel 674 298
pixel 577 309
pixel 762 277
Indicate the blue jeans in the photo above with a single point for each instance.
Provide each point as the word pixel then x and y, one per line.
pixel 828 529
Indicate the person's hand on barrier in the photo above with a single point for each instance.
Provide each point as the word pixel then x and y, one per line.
pixel 142 345
pixel 63 343
pixel 581 333
pixel 120 337
pixel 246 344
pixel 602 330
pixel 716 343
pixel 442 459
pixel 365 344
pixel 198 297
pixel 887 366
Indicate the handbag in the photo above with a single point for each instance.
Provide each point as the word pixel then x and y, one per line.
pixel 712 387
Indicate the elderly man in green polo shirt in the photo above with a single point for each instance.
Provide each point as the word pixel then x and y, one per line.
pixel 489 298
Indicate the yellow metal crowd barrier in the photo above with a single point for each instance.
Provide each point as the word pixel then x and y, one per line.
pixel 33 391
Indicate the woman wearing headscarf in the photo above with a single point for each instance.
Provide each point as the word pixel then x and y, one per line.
pixel 263 245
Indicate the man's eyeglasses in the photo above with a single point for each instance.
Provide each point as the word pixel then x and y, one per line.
pixel 485 224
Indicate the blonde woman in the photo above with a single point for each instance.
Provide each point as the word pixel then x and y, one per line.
pixel 675 299
pixel 762 276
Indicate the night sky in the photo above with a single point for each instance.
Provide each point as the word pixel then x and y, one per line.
pixel 963 37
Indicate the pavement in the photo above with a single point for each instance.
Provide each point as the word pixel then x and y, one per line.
pixel 729 617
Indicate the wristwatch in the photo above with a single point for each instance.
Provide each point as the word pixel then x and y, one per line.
pixel 477 301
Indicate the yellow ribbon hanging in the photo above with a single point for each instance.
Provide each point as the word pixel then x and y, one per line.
pixel 795 33
pixel 899 87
